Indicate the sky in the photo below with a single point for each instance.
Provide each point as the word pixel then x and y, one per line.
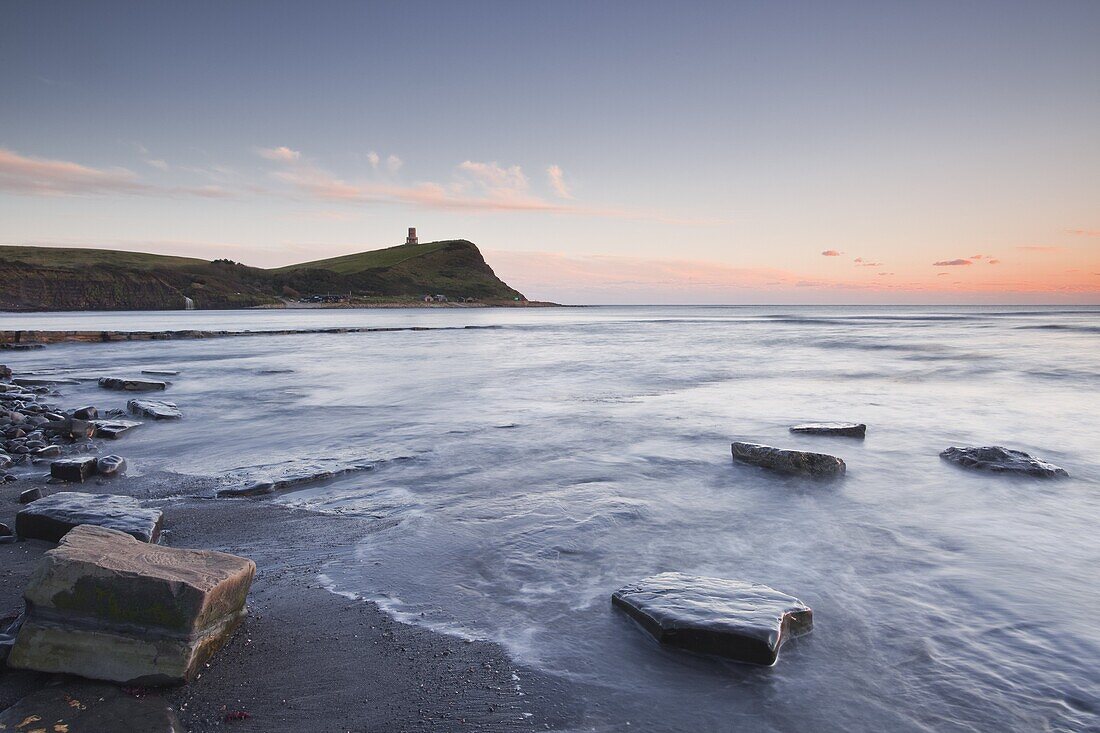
pixel 612 152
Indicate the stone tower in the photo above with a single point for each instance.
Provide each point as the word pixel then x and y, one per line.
pixel 412 236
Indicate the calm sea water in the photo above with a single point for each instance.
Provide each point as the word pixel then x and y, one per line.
pixel 530 469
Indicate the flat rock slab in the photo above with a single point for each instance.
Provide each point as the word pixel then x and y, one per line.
pixel 747 622
pixel 160 372
pixel 844 429
pixel 996 459
pixel 105 606
pixel 155 409
pixel 52 517
pixel 43 381
pixel 77 468
pixel 89 707
pixel 113 429
pixel 132 385
pixel 803 463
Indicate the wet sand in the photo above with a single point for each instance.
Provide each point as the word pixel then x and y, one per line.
pixel 306 659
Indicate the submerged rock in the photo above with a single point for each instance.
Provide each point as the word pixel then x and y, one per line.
pixel 260 488
pixel 846 429
pixel 77 469
pixel 110 465
pixel 748 622
pixel 132 385
pixel 160 372
pixel 788 461
pixel 115 428
pixel 105 606
pixel 82 707
pixel 55 515
pixel 996 459
pixel 155 409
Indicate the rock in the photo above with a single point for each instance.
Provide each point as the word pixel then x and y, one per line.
pixel 110 465
pixel 86 413
pixel 113 429
pixel 30 495
pixel 43 381
pixel 5 530
pixel 160 372
pixel 73 469
pixel 50 451
pixel 257 489
pixel 996 459
pixel 846 429
pixel 76 706
pixel 70 428
pixel 50 518
pixel 105 606
pixel 730 618
pixel 819 465
pixel 154 409
pixel 5 460
pixel 132 385
pixel 5 372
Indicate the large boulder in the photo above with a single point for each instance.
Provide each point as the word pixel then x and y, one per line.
pixel 155 409
pixel 105 606
pixel 747 622
pixel 90 707
pixel 132 385
pixel 799 462
pixel 844 429
pixel 51 517
pixel 996 459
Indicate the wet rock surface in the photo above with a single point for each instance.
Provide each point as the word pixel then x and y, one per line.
pixel 106 606
pixel 132 384
pixel 997 459
pixel 77 469
pixel 747 622
pixel 803 463
pixel 52 517
pixel 114 428
pixel 88 707
pixel 111 465
pixel 154 409
pixel 843 429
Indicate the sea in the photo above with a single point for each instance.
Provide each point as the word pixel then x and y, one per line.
pixel 525 463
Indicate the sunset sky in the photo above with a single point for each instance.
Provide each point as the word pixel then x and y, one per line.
pixel 597 152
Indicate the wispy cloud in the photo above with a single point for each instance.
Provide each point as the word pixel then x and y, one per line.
pixel 992 262
pixel 951 263
pixel 393 163
pixel 26 175
pixel 557 182
pixel 832 253
pixel 1041 248
pixel 374 159
pixel 1084 232
pixel 157 163
pixel 281 153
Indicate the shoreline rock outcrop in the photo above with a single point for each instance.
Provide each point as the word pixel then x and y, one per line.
pixel 52 517
pixel 844 429
pixel 803 463
pixel 131 384
pixel 996 459
pixel 154 409
pixel 747 622
pixel 105 606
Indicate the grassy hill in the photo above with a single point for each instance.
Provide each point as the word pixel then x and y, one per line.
pixel 49 278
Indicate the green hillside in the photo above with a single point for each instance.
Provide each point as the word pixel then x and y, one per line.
pixel 48 278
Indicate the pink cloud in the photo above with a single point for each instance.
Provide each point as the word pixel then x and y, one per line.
pixel 1084 232
pixel 832 253
pixel 993 262
pixel 863 263
pixel 31 176
pixel 557 182
pixel 281 153
pixel 1041 248
pixel 950 263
